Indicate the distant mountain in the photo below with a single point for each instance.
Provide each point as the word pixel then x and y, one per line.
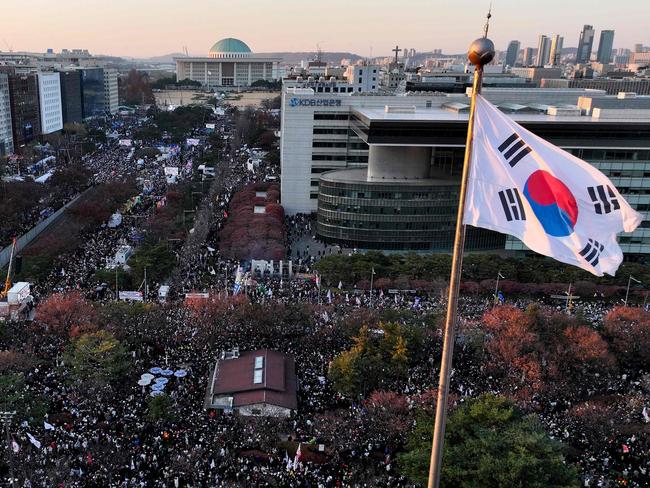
pixel 164 59
pixel 329 57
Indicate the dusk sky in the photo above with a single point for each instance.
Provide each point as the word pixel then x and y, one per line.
pixel 149 28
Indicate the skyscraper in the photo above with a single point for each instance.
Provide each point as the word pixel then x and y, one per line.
pixel 605 46
pixel 6 135
pixel 556 50
pixel 585 44
pixel 543 50
pixel 528 56
pixel 512 52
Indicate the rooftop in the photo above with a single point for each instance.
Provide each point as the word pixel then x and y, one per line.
pixel 230 45
pixel 261 376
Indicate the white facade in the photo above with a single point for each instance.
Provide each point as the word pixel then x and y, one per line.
pixel 218 72
pixel 49 96
pixel 316 137
pixel 110 90
pixel 6 136
pixel 364 79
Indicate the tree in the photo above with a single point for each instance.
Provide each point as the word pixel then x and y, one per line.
pixel 627 329
pixel 489 443
pixel 159 408
pixel 540 349
pixel 96 360
pixel 67 314
pixel 378 359
pixel 15 395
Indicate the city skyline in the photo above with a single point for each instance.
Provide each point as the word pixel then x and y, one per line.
pixel 365 28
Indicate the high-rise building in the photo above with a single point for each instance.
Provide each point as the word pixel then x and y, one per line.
pixel 49 96
pixel 6 136
pixel 71 98
pixel 543 50
pixel 638 48
pixel 556 50
pixel 25 117
pixel 605 46
pixel 110 90
pixel 99 91
pixel 528 56
pixel 512 52
pixel 92 89
pixel 585 44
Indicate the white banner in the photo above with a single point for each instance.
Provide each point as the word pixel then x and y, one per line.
pixel 136 296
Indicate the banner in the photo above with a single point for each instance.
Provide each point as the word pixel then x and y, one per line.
pixel 136 296
pixel 125 142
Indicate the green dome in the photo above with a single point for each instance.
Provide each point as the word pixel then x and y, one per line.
pixel 230 45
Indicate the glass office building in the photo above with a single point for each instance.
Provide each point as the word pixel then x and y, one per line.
pixel 406 198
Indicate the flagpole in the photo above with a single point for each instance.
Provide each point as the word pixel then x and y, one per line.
pixel 481 52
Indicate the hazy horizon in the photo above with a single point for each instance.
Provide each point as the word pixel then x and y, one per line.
pixel 364 28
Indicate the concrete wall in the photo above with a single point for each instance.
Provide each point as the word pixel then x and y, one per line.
pixel 265 409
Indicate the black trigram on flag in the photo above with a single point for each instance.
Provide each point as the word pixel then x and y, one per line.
pixel 591 252
pixel 603 198
pixel 513 149
pixel 512 206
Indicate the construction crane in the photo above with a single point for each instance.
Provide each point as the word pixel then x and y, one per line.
pixel 3 293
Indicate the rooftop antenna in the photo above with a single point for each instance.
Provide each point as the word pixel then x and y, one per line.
pixel 319 53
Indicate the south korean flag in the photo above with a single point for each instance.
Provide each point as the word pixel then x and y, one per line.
pixel 557 204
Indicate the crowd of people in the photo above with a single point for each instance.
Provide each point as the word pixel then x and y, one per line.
pixel 106 437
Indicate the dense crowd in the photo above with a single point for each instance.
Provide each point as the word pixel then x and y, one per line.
pixel 104 437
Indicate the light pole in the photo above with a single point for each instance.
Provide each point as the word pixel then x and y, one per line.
pixel 6 417
pixel 627 291
pixel 496 288
pixel 372 276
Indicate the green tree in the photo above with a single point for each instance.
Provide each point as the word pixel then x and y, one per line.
pixel 97 360
pixel 16 396
pixel 159 408
pixel 158 260
pixel 489 443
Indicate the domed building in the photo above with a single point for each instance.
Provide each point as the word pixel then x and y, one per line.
pixel 230 63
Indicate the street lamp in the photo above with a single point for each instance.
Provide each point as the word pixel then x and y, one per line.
pixel 496 288
pixel 6 417
pixel 627 292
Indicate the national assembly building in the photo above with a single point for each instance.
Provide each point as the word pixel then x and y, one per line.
pixel 230 63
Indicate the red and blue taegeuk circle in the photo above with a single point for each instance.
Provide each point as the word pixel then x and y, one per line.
pixel 552 202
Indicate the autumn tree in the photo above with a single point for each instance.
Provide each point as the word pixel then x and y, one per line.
pixel 96 360
pixel 489 443
pixel 67 314
pixel 627 329
pixel 378 359
pixel 540 349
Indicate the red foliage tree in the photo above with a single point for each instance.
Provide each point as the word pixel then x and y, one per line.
pixel 540 349
pixel 627 329
pixel 67 314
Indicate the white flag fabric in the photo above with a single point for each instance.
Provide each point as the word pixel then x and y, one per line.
pixel 33 440
pixel 557 204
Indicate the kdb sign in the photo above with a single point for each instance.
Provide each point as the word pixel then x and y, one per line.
pixel 310 102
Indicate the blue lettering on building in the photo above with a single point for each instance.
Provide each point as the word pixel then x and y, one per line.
pixel 311 102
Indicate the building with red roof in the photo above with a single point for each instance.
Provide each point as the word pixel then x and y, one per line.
pixel 258 383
